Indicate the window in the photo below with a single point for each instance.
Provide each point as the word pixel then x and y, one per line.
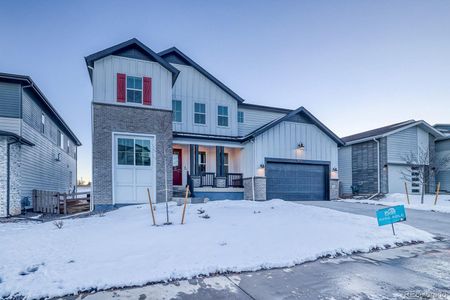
pixel 240 117
pixel 134 89
pixel 133 152
pixel 199 113
pixel 176 108
pixel 225 163
pixel 142 152
pixel 43 123
pixel 222 115
pixel 60 140
pixel 202 162
pixel 68 146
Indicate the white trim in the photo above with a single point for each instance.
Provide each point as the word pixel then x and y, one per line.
pixel 173 112
pixel 113 159
pixel 133 89
pixel 206 112
pixel 228 116
pixel 187 141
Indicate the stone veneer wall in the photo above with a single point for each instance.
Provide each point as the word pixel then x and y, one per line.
pixel 106 119
pixel 334 189
pixel 15 162
pixel 260 188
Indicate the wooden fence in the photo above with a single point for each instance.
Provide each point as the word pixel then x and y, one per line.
pixel 60 203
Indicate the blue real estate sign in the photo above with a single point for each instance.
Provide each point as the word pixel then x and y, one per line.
pixel 391 215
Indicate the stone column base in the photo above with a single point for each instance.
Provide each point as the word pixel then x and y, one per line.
pixel 334 189
pixel 260 188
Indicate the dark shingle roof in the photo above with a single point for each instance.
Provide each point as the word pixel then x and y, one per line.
pixel 376 132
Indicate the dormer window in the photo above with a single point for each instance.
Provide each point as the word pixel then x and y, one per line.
pixel 134 89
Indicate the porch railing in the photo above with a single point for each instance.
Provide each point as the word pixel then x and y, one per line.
pixel 207 179
pixel 235 180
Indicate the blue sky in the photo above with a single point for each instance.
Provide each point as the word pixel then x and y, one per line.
pixel 356 65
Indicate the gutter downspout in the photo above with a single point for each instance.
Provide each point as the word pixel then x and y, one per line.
pixel 253 172
pixel 378 169
pixel 8 172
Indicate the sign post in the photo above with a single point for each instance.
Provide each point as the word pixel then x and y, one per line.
pixel 391 215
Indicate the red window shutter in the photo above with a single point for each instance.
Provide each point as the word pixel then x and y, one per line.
pixel 121 87
pixel 147 91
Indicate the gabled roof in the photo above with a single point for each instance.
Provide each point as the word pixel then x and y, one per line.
pixel 389 129
pixel 173 55
pixel 28 81
pixel 300 110
pixel 130 44
pixel 264 108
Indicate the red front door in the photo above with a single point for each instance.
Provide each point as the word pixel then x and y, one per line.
pixel 177 169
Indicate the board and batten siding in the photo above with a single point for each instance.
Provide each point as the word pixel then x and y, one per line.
pixel 281 142
pixel 105 80
pixel 39 167
pixel 406 142
pixel 191 87
pixel 442 152
pixel 345 170
pixel 10 99
pixel 253 119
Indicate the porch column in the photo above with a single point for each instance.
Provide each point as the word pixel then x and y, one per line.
pixel 193 154
pixel 220 160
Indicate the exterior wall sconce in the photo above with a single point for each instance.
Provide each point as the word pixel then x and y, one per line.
pixel 384 167
pixel 58 157
pixel 334 169
pixel 300 147
pixel 262 166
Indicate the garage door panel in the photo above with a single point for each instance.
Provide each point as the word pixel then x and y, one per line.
pixel 125 194
pixel 143 176
pixel 124 176
pixel 297 181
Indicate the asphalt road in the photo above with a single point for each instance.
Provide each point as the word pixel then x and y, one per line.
pixel 412 272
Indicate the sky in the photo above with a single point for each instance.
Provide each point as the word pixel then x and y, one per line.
pixel 356 65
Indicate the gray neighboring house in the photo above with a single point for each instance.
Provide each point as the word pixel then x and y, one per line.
pixel 37 148
pixel 146 102
pixel 373 161
pixel 443 150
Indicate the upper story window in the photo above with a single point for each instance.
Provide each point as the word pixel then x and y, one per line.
pixel 176 108
pixel 222 115
pixel 134 89
pixel 240 117
pixel 60 140
pixel 68 146
pixel 199 113
pixel 43 123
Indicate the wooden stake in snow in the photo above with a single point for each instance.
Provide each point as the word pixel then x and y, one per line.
pixel 437 193
pixel 406 190
pixel 151 206
pixel 185 203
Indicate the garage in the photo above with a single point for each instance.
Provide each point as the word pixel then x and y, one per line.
pixel 297 180
pixel 134 169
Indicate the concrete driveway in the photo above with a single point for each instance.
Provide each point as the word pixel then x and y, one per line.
pixel 413 272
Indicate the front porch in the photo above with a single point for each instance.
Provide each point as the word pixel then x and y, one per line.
pixel 208 169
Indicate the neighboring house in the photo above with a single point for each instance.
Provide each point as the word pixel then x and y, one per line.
pixel 160 117
pixel 37 148
pixel 374 161
pixel 442 152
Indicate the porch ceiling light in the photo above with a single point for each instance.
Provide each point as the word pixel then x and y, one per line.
pixel 262 166
pixel 300 147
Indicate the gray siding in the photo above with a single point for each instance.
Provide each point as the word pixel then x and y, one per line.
pixel 384 173
pixel 10 100
pixel 401 144
pixel 364 171
pixel 40 169
pixel 345 170
pixel 442 151
pixel 253 119
pixel 10 124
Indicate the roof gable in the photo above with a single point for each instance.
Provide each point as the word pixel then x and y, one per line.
pixel 133 49
pixel 301 115
pixel 175 56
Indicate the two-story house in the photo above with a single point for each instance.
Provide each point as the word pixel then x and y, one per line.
pixel 160 121
pixel 377 161
pixel 37 148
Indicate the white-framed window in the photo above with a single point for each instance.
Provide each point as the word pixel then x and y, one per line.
pixel 222 116
pixel 199 113
pixel 134 89
pixel 133 152
pixel 202 161
pixel 225 163
pixel 42 123
pixel 60 140
pixel 68 146
pixel 240 117
pixel 176 111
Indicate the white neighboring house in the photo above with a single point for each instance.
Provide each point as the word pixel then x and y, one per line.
pixel 373 161
pixel 225 148
pixel 37 148
pixel 442 152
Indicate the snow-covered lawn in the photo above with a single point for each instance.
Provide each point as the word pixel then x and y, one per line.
pixel 121 248
pixel 443 203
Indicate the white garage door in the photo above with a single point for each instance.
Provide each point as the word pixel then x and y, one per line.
pixel 134 169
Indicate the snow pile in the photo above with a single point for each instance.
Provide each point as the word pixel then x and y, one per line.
pixel 121 248
pixel 443 203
